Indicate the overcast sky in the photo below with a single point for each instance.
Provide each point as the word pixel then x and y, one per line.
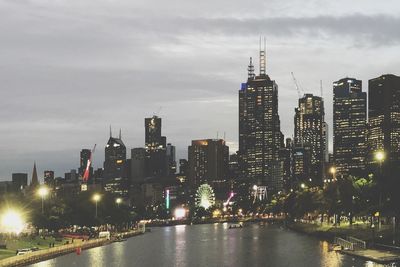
pixel 70 68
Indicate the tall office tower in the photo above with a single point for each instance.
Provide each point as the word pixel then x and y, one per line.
pixel 286 158
pixel 384 119
pixel 83 160
pixel 138 164
pixel 35 181
pixel 349 127
pixel 19 181
pixel 301 164
pixel 208 161
pixel 325 136
pixel 260 137
pixel 49 178
pixel 156 157
pixel 308 123
pixel 115 157
pixel 171 160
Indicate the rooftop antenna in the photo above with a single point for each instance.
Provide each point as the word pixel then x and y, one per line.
pixel 120 133
pixel 250 69
pixel 110 131
pixel 262 57
pixel 320 87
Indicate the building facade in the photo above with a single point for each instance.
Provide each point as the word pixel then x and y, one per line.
pixel 349 127
pixel 155 144
pixel 260 137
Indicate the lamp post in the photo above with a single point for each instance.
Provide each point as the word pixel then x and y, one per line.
pixel 96 198
pixel 380 157
pixel 43 192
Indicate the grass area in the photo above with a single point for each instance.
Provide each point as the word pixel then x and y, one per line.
pixel 27 242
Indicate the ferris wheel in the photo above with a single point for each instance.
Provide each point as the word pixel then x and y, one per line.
pixel 205 196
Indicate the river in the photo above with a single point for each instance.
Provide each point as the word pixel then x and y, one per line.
pixel 212 245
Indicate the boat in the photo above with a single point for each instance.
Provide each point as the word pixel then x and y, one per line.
pixel 236 225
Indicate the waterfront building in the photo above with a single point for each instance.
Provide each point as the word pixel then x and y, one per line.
pixel 308 131
pixel 349 127
pixel 208 162
pixel 155 144
pixel 260 137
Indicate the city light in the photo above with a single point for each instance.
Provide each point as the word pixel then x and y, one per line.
pixel 96 197
pixel 43 191
pixel 255 187
pixel 118 200
pixel 332 170
pixel 380 156
pixel 303 185
pixel 179 213
pixel 12 222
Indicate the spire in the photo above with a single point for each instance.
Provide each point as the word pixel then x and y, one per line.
pixel 263 62
pixel 35 180
pixel 250 69
pixel 110 131
pixel 120 133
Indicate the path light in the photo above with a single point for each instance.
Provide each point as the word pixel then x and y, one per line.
pixel 96 198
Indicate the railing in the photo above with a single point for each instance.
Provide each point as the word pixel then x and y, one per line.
pixel 344 243
pixel 357 242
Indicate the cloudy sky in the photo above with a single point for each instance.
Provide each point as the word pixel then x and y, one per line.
pixel 70 68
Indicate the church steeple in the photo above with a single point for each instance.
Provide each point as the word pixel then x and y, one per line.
pixel 35 180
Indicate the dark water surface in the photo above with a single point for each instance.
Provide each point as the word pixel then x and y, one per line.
pixel 212 245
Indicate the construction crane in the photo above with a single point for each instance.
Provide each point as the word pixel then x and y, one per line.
pixel 297 86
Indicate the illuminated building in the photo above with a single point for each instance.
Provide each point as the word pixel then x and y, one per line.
pixel 171 160
pixel 384 118
pixel 308 131
pixel 49 178
pixel 115 176
pixel 155 144
pixel 349 127
pixel 208 162
pixel 260 137
pixel 301 163
pixel 83 160
pixel 286 159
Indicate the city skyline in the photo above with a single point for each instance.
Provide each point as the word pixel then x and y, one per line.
pixel 46 79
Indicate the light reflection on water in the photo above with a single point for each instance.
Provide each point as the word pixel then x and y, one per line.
pixel 213 245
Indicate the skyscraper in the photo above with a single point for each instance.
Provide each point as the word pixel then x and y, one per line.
pixel 260 137
pixel 384 118
pixel 115 157
pixel 155 144
pixel 171 159
pixel 138 164
pixel 35 181
pixel 19 181
pixel 308 130
pixel 83 160
pixel 208 161
pixel 349 127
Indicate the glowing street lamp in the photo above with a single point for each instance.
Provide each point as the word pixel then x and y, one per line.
pixel 332 170
pixel 303 185
pixel 43 192
pixel 380 156
pixel 11 222
pixel 118 201
pixel 96 198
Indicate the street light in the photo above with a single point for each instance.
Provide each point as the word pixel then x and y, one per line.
pixel 303 185
pixel 332 170
pixel 118 201
pixel 380 157
pixel 12 222
pixel 96 198
pixel 43 192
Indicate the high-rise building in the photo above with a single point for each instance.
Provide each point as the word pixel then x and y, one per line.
pixel 301 164
pixel 83 160
pixel 208 161
pixel 115 173
pixel 138 164
pixel 286 158
pixel 260 137
pixel 384 118
pixel 19 181
pixel 171 160
pixel 349 127
pixel 49 178
pixel 308 130
pixel 155 144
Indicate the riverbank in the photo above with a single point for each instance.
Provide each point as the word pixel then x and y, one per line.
pixel 49 253
pixel 375 252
